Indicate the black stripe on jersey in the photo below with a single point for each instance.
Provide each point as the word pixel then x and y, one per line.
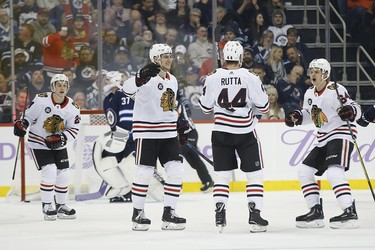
pixel 71 133
pixel 204 108
pixel 234 116
pixel 333 134
pixel 234 126
pixel 38 142
pixel 144 122
pixel 153 131
pixel 171 194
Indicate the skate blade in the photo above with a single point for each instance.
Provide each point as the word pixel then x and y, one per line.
pixel 49 217
pixel 255 228
pixel 140 227
pixel 310 224
pixel 172 226
pixel 66 217
pixel 349 224
pixel 221 228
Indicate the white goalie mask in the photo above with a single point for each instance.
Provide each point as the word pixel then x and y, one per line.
pixel 321 64
pixel 157 50
pixel 57 78
pixel 233 51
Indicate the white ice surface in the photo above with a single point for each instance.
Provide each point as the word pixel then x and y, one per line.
pixel 101 225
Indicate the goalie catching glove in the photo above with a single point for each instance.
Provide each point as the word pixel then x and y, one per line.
pixel 20 127
pixel 347 113
pixel 293 118
pixel 55 141
pixel 144 74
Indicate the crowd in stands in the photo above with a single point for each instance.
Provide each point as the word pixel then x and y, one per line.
pixel 61 36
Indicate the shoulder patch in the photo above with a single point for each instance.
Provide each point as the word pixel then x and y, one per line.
pixel 212 72
pixel 332 86
pixel 75 105
pixel 42 95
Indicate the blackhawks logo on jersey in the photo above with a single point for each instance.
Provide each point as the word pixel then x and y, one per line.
pixel 318 117
pixel 167 100
pixel 332 86
pixel 53 124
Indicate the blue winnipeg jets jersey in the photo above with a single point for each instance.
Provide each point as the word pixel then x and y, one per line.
pixel 119 110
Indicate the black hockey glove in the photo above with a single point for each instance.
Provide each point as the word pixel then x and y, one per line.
pixel 145 73
pixel 367 117
pixel 182 130
pixel 55 141
pixel 293 118
pixel 20 127
pixel 347 113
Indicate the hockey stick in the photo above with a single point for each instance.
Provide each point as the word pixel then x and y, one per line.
pixel 93 196
pixel 354 140
pixel 199 153
pixel 20 138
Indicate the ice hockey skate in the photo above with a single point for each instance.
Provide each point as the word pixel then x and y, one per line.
pixel 348 219
pixel 122 198
pixel 64 212
pixel 257 223
pixel 220 219
pixel 206 186
pixel 49 212
pixel 171 221
pixel 140 221
pixel 313 219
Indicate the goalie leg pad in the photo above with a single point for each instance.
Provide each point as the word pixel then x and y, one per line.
pixel 108 168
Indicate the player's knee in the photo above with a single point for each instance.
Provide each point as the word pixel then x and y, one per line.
pixel 305 172
pixel 223 176
pixel 335 172
pixel 144 173
pixel 62 178
pixel 255 177
pixel 48 174
pixel 174 169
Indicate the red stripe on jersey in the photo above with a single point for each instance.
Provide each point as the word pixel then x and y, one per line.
pixel 47 185
pixel 36 138
pixel 234 121
pixel 221 190
pixel 255 190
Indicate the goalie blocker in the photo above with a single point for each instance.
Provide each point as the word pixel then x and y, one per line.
pixel 119 175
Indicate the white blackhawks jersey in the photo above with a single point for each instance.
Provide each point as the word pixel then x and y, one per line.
pixel 321 108
pixel 235 96
pixel 155 114
pixel 44 112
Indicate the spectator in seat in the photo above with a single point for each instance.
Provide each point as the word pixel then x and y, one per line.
pixel 201 49
pixel 110 45
pixel 59 52
pixel 80 99
pixel 260 70
pixel 42 26
pixel 25 41
pixel 293 41
pixel 180 65
pixel 188 30
pixel 290 93
pixel 248 58
pixel 159 27
pixel 263 48
pixel 139 50
pixel 275 64
pixel 6 101
pixel 122 62
pixel 279 27
pixel 275 111
pixel 179 15
pixel 22 100
pixel 5 28
pixel 86 69
pixel 38 84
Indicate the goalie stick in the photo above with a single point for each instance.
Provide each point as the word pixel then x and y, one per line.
pixel 93 196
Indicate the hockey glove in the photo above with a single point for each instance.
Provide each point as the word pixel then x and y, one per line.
pixel 347 113
pixel 293 118
pixel 20 127
pixel 367 117
pixel 55 141
pixel 145 73
pixel 182 130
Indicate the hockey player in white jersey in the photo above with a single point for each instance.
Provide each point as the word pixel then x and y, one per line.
pixel 52 119
pixel 235 94
pixel 322 108
pixel 155 132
